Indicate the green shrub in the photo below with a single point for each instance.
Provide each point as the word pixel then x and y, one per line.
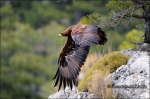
pixel 110 62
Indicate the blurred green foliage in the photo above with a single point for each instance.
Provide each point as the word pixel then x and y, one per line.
pixel 28 60
pixel 30 46
pixel 118 4
pixel 90 19
pixel 133 36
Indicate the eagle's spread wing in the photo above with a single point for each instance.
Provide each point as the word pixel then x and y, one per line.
pixel 71 59
pixel 85 35
pixel 75 51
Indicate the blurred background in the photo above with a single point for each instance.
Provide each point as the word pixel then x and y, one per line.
pixel 30 46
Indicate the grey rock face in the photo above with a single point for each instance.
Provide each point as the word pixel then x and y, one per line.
pixel 71 94
pixel 63 94
pixel 144 47
pixel 133 79
pixel 81 75
pixel 74 94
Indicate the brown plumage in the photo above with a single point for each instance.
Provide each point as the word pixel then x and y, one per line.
pixel 74 53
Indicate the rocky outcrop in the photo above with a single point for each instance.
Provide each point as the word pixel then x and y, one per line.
pixel 71 94
pixel 128 81
pixel 133 79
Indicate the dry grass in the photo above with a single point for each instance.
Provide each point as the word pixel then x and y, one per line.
pixel 90 61
pixel 99 84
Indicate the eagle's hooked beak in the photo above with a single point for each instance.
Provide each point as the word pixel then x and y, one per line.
pixel 60 35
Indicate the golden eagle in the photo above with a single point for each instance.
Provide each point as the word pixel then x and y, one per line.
pixel 74 53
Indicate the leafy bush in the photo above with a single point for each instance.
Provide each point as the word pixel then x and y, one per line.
pixel 109 63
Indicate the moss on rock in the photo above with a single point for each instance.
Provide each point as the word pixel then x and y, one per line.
pixel 110 62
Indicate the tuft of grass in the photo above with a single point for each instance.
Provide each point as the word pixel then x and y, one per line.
pixel 90 61
pixel 110 62
pixel 99 83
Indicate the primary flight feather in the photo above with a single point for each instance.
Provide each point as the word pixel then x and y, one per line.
pixel 75 51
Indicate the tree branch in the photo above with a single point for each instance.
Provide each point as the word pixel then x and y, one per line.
pixel 136 16
pixel 138 2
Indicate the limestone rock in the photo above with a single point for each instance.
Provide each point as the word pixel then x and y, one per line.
pixel 71 94
pixel 132 80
